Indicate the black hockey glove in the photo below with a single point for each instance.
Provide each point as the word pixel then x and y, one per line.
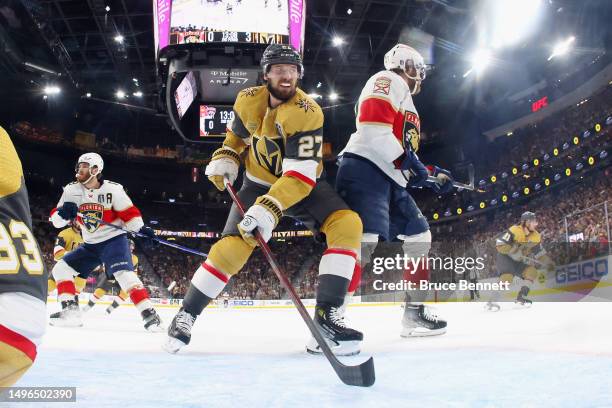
pixel 414 171
pixel 445 185
pixel 68 211
pixel 148 231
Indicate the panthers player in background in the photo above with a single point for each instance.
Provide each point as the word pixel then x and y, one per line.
pixel 105 285
pixel 67 240
pixel 279 128
pixel 377 166
pixel 23 286
pixel 90 199
pixel 519 252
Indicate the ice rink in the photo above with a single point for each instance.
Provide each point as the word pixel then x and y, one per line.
pixel 554 354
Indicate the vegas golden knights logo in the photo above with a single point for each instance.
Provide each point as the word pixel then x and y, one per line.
pixel 94 212
pixel 269 154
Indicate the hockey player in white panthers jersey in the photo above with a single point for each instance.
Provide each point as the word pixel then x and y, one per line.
pixel 380 162
pixel 89 200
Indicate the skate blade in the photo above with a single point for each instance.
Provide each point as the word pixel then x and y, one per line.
pixel 173 345
pixel 496 308
pixel 342 349
pixel 415 332
pixel 155 328
pixel 63 323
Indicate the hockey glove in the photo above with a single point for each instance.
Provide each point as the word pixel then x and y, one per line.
pixel 264 215
pixel 68 211
pixel 444 185
pixel 414 171
pixel 148 232
pixel 225 162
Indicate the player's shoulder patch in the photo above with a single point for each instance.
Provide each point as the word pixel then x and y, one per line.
pixel 250 92
pixel 304 103
pixel 382 85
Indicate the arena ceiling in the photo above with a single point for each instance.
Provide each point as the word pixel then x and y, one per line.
pixel 78 40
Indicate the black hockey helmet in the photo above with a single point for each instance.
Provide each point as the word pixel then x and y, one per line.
pixel 281 54
pixel 527 216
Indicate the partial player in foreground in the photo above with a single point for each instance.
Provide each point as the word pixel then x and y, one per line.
pixel 380 162
pixel 519 255
pixel 23 276
pixel 90 200
pixel 283 167
pixel 105 285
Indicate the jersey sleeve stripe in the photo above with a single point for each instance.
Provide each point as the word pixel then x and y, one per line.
pixel 314 132
pixel 238 128
pixel 128 214
pixel 18 341
pixel 301 177
pixel 305 168
pixel 377 110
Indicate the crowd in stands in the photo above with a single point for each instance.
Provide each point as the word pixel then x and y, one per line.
pixel 575 209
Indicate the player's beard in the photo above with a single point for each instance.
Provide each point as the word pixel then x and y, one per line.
pixel 281 93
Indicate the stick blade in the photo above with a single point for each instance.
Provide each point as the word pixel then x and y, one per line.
pixel 361 375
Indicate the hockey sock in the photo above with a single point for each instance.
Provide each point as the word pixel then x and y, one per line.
pixel 140 298
pixel 112 306
pixel 65 291
pixel 206 284
pixel 335 272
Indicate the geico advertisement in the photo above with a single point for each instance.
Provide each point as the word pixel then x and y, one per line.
pixel 593 269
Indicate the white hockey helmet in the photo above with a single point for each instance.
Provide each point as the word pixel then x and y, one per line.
pixel 403 57
pixel 94 160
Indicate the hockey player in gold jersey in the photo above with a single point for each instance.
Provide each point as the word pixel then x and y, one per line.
pixel 67 240
pixel 278 129
pixel 105 285
pixel 519 252
pixel 23 288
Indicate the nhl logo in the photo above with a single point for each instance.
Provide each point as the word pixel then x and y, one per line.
pixel 93 212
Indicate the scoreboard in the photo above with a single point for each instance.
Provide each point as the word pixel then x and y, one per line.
pixel 214 119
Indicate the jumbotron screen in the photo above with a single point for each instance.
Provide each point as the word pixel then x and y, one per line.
pixel 232 21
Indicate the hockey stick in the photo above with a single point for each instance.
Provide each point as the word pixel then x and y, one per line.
pixel 461 186
pixel 138 234
pixel 361 375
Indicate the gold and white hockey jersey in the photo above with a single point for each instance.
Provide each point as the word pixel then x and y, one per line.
pixel 284 144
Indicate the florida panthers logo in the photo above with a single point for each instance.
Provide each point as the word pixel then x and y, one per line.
pixel 91 212
pixel 412 131
pixel 269 154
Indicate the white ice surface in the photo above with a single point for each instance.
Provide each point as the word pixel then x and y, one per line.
pixel 552 355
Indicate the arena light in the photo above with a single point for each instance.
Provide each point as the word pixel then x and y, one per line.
pixel 555 152
pixel 576 140
pixel 547 182
pixel 337 41
pixel 459 211
pixel 120 94
pixel 315 95
pixel 504 198
pixel 536 162
pixel 562 47
pixel 137 94
pixel 119 39
pixel 514 171
pixel 598 128
pixel 436 216
pixel 88 95
pixel 333 96
pixel 482 205
pixel 526 190
pixel 349 11
pixel 568 172
pixel 480 61
pixel 493 179
pixel 513 20
pixel 591 160
pixel 107 8
pixel 52 90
